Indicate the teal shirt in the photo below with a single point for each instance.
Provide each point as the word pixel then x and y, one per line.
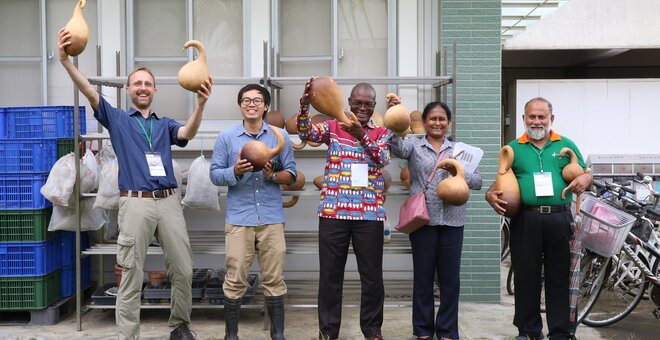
pixel 528 160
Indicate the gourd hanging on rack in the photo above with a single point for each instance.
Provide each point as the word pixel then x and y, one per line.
pixel 318 182
pixel 193 74
pixel 572 170
pixel 453 190
pixel 404 176
pixel 507 183
pixel 297 186
pixel 258 153
pixel 416 122
pixel 275 118
pixel 397 117
pixel 78 29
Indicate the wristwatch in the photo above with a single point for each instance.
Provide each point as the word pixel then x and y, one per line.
pixel 273 177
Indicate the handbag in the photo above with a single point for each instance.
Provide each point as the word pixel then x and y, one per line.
pixel 413 213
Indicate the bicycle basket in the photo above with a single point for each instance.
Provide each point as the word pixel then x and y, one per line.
pixel 604 227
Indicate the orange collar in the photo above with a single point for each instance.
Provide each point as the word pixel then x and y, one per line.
pixel 553 137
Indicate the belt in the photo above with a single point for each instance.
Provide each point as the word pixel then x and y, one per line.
pixel 546 209
pixel 147 194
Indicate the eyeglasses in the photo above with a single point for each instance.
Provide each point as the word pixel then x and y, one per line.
pixel 146 84
pixel 256 101
pixel 356 103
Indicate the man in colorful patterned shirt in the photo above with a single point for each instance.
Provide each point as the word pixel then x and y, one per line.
pixel 351 209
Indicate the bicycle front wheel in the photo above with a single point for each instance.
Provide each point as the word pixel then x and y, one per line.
pixel 593 269
pixel 622 289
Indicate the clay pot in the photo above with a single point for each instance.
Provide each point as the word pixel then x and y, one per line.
pixel 193 74
pixel 297 186
pixel 326 97
pixel 258 153
pixel 275 118
pixel 156 278
pixel 506 182
pixel 119 269
pixel 404 176
pixel 397 118
pixel 453 190
pixel 416 122
pixel 79 31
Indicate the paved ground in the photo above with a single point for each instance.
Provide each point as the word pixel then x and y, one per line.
pixel 477 321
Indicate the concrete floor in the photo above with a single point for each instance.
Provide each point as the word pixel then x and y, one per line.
pixel 476 321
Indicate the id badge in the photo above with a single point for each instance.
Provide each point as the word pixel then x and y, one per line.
pixel 155 163
pixel 543 184
pixel 359 175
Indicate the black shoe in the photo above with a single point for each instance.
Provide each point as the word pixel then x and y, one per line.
pixel 182 333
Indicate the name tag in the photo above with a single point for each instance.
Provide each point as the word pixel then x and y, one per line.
pixel 359 175
pixel 543 184
pixel 155 163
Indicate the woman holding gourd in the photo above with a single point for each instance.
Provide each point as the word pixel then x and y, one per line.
pixel 437 246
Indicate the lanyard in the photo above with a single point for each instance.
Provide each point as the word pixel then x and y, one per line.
pixel 539 154
pixel 145 131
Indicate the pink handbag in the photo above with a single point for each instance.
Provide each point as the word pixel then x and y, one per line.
pixel 413 213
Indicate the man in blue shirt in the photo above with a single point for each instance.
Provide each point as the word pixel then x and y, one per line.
pixel 255 217
pixel 149 200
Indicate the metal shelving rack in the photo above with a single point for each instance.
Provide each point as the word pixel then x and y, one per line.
pixel 302 243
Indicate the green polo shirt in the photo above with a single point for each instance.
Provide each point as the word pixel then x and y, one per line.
pixel 528 160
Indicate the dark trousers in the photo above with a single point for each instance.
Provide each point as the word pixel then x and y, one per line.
pixel 367 240
pixel 541 241
pixel 436 249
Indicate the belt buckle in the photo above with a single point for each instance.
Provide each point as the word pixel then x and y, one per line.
pixel 545 209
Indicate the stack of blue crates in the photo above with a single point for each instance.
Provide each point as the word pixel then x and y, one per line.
pixel 35 264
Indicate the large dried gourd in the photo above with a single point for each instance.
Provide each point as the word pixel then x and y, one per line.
pixel 78 29
pixel 258 153
pixel 507 183
pixel 453 189
pixel 193 74
pixel 397 117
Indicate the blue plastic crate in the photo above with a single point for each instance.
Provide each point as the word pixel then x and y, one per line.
pixel 3 122
pixel 68 246
pixel 29 258
pixel 27 155
pixel 42 122
pixel 21 191
pixel 68 277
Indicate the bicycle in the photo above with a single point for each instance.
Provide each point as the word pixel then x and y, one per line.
pixel 611 287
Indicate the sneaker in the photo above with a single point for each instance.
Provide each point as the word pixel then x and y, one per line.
pixel 182 333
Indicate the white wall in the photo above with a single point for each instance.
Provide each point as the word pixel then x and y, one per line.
pixel 601 116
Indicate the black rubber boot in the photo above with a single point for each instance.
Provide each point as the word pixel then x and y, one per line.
pixel 232 314
pixel 275 306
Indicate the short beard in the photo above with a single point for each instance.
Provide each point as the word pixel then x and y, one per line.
pixel 536 135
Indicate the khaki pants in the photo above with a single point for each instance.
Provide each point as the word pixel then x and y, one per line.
pixel 139 219
pixel 241 243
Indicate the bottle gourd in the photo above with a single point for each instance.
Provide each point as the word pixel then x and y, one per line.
pixel 453 190
pixel 193 74
pixel 258 153
pixel 78 29
pixel 507 183
pixel 572 170
pixel 397 117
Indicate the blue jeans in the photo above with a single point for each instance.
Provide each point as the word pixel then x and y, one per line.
pixel 436 249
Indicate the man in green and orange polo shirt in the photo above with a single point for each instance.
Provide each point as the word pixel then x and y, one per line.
pixel 541 231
